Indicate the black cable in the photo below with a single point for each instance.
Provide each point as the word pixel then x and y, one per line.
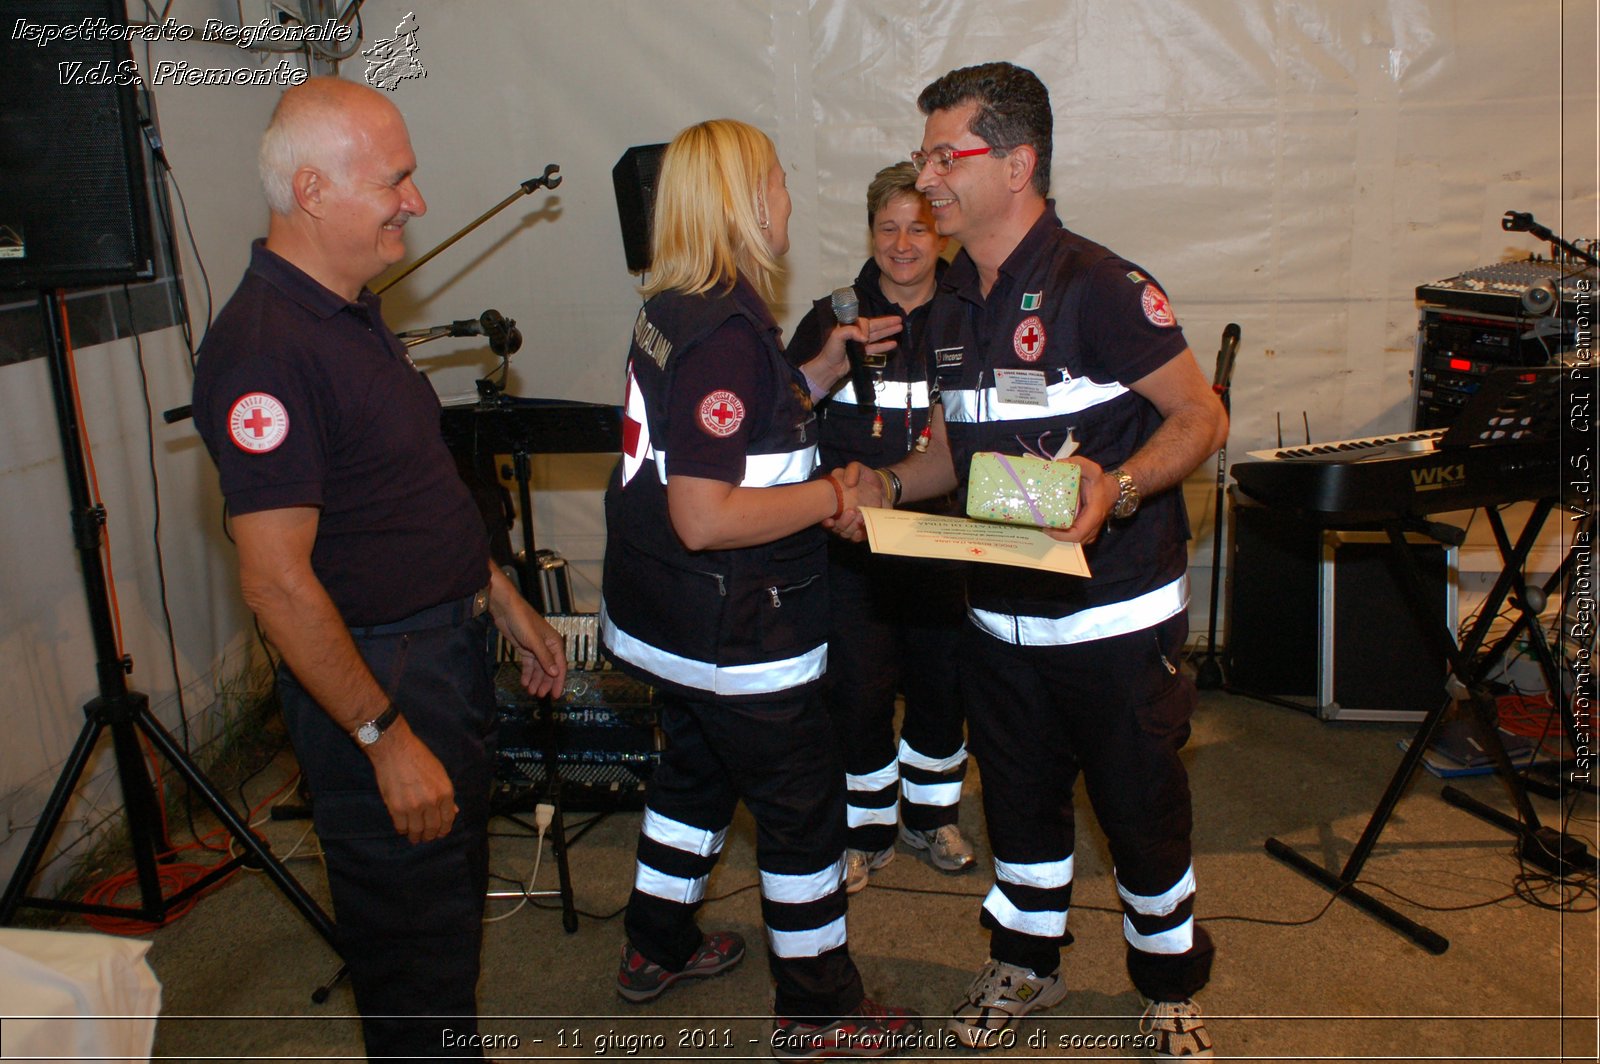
pixel 272 755
pixel 164 207
pixel 266 648
pixel 200 263
pixel 603 917
pixel 1526 883
pixel 179 290
pixel 161 565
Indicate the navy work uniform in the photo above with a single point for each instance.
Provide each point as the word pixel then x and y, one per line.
pixel 896 622
pixel 306 399
pixel 1067 674
pixel 735 641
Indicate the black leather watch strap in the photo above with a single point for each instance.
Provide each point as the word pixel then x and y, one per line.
pixel 373 730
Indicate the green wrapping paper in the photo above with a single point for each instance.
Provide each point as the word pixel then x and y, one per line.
pixel 1022 490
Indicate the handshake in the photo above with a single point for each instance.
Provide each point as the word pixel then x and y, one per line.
pixel 860 485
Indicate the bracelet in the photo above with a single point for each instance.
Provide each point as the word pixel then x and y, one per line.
pixel 892 485
pixel 838 495
pixel 892 488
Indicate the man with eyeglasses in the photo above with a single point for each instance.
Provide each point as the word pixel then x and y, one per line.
pixel 1041 337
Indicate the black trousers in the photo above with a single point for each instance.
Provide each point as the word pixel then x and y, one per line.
pixel 1116 711
pixel 410 917
pixel 780 758
pixel 897 626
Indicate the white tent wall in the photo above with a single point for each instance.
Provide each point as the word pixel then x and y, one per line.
pixel 47 651
pixel 1298 168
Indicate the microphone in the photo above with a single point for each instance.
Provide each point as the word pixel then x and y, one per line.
pixel 503 335
pixel 1225 358
pixel 504 338
pixel 847 310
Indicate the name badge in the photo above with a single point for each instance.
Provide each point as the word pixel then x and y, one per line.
pixel 1024 386
pixel 946 357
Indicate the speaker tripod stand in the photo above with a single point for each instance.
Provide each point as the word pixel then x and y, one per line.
pixel 126 715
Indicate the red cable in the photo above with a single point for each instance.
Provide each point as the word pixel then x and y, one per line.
pixel 173 877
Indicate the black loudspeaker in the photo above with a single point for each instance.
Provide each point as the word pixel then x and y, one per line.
pixel 1270 637
pixel 1325 614
pixel 635 179
pixel 74 207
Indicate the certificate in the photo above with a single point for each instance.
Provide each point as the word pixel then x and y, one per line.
pixel 917 535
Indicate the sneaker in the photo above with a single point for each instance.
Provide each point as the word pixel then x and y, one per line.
pixel 945 848
pixel 640 980
pixel 872 1030
pixel 1000 995
pixel 860 864
pixel 1179 1030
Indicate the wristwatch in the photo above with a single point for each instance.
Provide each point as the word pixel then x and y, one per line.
pixel 1127 493
pixel 373 730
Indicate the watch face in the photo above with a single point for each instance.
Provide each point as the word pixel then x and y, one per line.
pixel 1127 495
pixel 368 733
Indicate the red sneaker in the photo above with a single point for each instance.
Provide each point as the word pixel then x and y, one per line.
pixel 640 980
pixel 872 1030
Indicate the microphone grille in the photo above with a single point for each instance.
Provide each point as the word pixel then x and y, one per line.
pixel 846 307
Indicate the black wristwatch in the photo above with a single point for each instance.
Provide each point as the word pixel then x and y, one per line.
pixel 373 730
pixel 1127 493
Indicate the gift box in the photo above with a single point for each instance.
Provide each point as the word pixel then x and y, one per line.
pixel 1022 490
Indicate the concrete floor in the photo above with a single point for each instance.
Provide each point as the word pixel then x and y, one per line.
pixel 1298 976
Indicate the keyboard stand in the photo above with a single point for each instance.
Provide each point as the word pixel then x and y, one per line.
pixel 1546 847
pixel 1547 780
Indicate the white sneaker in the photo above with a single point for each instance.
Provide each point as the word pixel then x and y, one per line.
pixel 1179 1030
pixel 1000 995
pixel 860 864
pixel 945 848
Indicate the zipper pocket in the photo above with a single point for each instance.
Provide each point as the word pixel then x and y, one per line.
pixel 777 592
pixel 1172 670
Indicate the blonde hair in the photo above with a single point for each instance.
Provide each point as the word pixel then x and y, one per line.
pixel 709 209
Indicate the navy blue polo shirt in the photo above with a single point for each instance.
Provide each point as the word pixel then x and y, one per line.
pixel 306 399
pixel 716 385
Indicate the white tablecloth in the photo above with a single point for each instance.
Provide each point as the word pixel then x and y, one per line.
pixel 66 994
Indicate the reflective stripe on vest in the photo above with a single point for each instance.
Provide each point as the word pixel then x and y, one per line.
pixel 893 391
pixel 756 678
pixel 970 405
pixel 1096 622
pixel 764 470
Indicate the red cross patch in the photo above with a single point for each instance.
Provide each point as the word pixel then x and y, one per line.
pixel 258 423
pixel 1156 308
pixel 1028 340
pixel 632 419
pixel 721 413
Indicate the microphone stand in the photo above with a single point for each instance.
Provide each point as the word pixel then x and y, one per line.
pixel 1524 222
pixel 505 339
pixel 549 179
pixel 1208 671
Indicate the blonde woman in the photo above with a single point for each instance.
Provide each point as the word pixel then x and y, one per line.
pixel 715 592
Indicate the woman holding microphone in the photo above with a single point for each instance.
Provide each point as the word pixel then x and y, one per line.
pixel 715 592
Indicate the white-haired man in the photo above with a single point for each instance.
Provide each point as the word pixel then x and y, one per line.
pixel 364 558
